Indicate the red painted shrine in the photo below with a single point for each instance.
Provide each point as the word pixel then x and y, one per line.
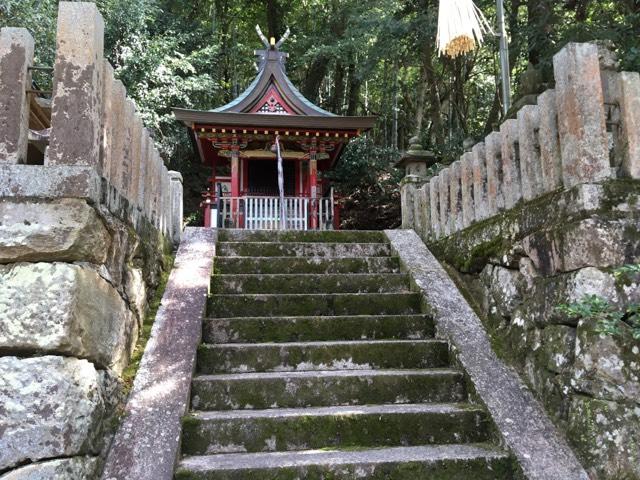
pixel 240 142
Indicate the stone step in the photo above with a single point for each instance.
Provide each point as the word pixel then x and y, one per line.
pixel 313 304
pixel 329 236
pixel 302 249
pixel 308 329
pixel 311 283
pixel 338 427
pixel 309 356
pixel 266 265
pixel 434 462
pixel 329 388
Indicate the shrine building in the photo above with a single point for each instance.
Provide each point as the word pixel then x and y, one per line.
pixel 241 141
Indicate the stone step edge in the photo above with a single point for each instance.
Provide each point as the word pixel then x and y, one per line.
pixel 319 295
pixel 315 259
pixel 226 242
pixel 350 410
pixel 426 316
pixel 274 460
pixel 328 373
pixel 328 343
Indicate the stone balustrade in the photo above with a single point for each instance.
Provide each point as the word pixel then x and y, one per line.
pixel 585 131
pixel 98 148
pixel 87 218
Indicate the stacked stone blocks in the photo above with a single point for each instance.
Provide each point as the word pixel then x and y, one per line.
pixel 82 243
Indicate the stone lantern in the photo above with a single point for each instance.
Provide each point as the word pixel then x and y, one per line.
pixel 416 163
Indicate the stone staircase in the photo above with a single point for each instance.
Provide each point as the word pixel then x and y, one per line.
pixel 318 363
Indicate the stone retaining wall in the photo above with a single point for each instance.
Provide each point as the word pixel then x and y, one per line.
pixel 83 241
pixel 540 214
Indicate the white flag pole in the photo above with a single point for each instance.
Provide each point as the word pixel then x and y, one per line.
pixel 283 220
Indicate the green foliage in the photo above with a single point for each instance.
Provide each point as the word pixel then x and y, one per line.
pixel 349 56
pixel 368 183
pixel 610 319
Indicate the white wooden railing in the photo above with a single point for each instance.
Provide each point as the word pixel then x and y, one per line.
pixel 263 213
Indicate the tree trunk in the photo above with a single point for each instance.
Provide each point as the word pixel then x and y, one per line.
pixel 354 91
pixel 274 19
pixel 337 98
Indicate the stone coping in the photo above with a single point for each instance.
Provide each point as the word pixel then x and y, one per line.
pixel 522 422
pixel 147 442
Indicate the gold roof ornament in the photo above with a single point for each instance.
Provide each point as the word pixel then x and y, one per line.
pixel 461 26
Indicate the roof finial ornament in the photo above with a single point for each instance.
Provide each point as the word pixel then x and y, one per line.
pixel 272 44
pixel 284 38
pixel 262 37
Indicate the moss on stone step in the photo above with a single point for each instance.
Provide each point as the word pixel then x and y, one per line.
pixel 302 249
pixel 353 428
pixel 223 306
pixel 322 356
pixel 327 328
pixel 266 265
pixel 309 389
pixel 329 236
pixel 310 283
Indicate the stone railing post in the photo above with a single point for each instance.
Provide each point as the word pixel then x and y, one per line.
pixel 424 210
pixel 434 205
pixel 443 192
pixel 455 197
pixel 581 116
pixel 550 158
pixel 530 168
pixel 466 183
pixel 16 56
pixel 493 151
pixel 176 206
pixel 511 183
pixel 630 123
pixel 77 86
pixel 480 200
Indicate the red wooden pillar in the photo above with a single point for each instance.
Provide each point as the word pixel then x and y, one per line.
pixel 313 181
pixel 235 181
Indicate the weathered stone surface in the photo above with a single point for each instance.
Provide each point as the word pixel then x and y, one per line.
pixel 581 118
pixel 587 243
pixel 76 110
pixel 57 181
pixel 118 118
pixel 550 158
pixel 407 199
pixel 455 197
pixel 606 367
pixel 60 230
pixel 480 200
pixel 504 288
pixel 630 123
pixel 495 176
pixel 136 290
pixel 557 347
pixel 77 468
pixel 136 153
pixel 64 308
pixel 606 435
pixel 106 146
pixel 160 395
pixel 434 201
pixel 541 451
pixel 424 210
pixel 466 187
pixel 530 166
pixel 443 191
pixel 145 152
pixel 16 55
pixel 51 407
pixel 511 183
pixel 176 206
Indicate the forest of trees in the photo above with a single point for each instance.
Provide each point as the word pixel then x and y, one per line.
pixel 352 57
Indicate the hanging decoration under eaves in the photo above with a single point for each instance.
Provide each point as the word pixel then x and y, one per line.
pixel 461 26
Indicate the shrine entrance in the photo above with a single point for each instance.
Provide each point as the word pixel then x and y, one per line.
pixel 244 141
